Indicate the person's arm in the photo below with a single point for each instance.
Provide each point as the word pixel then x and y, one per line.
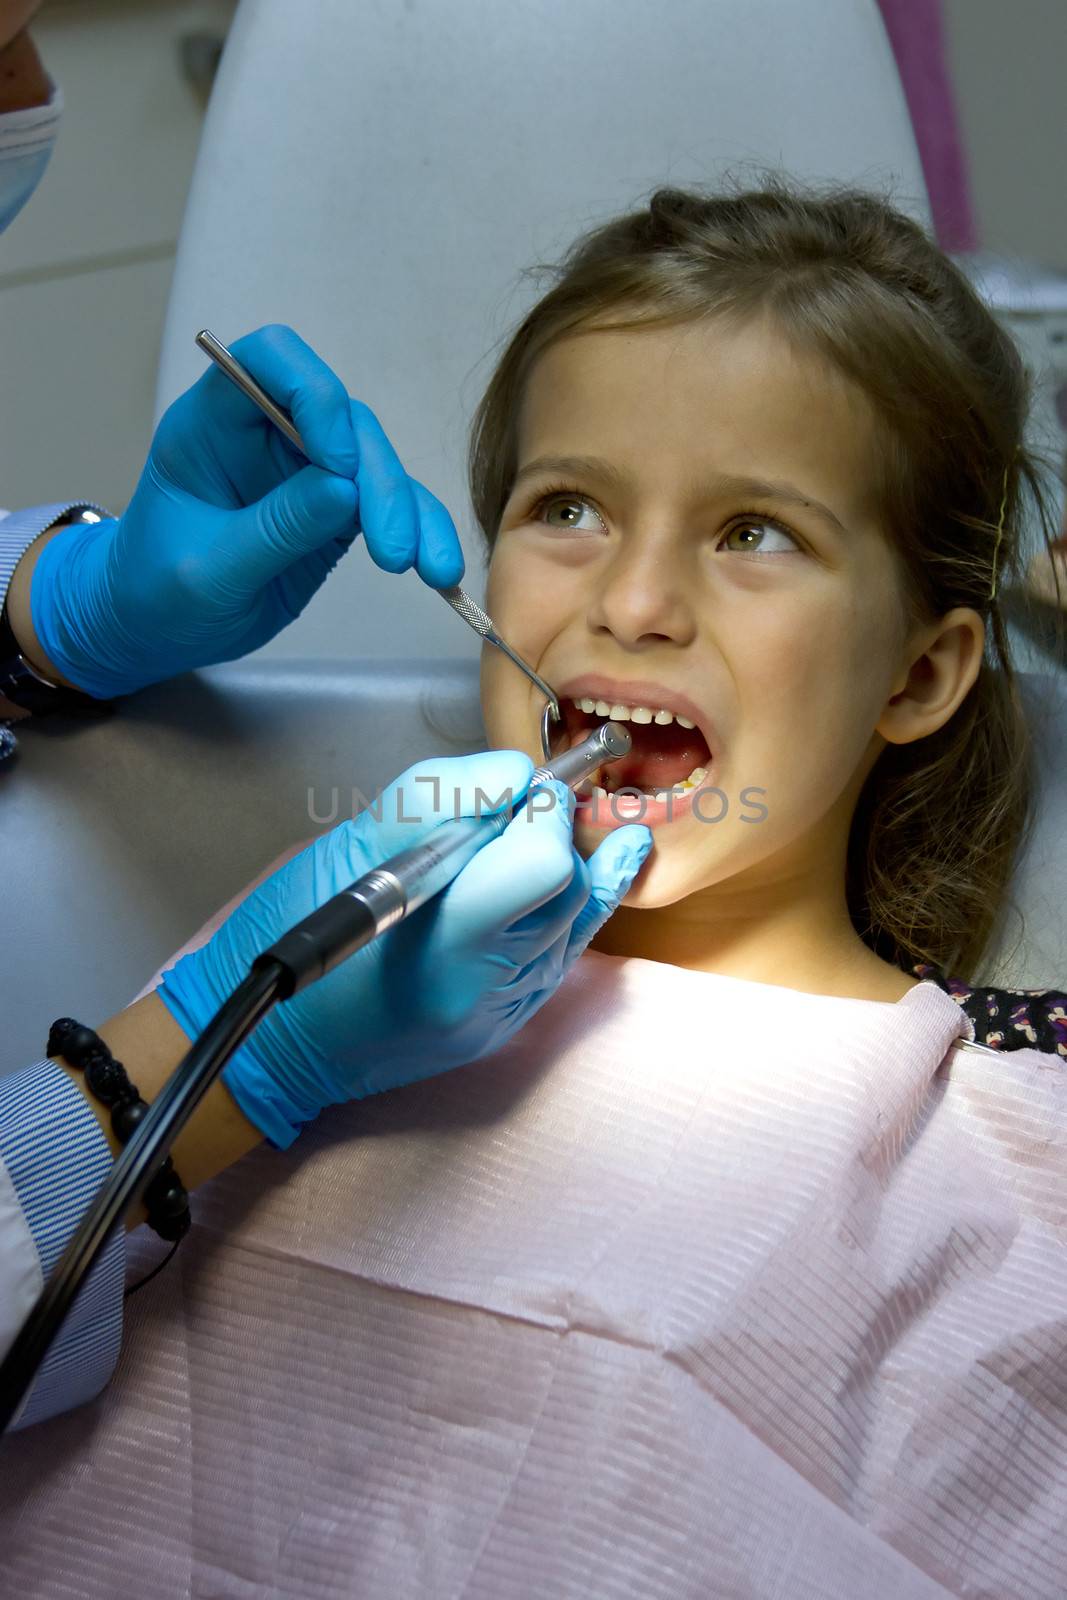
pixel 56 1149
pixel 18 607
pixel 23 535
pixel 442 990
pixel 150 1044
pixel 53 1159
pixel 230 531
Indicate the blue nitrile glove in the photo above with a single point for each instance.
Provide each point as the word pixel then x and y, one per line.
pixel 230 532
pixel 446 986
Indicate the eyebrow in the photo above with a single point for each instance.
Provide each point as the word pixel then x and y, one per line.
pixel 764 488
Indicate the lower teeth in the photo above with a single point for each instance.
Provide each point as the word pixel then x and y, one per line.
pixel 695 778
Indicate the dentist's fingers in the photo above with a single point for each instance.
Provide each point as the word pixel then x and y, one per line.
pixel 613 866
pixel 310 510
pixel 548 942
pixel 532 934
pixel 402 522
pixel 441 788
pixel 388 512
pixel 513 876
pixel 301 383
pixel 439 561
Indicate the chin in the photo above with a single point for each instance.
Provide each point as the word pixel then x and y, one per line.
pixel 656 884
pixel 643 897
pixel 653 889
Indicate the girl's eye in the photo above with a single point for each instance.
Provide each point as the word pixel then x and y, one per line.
pixel 754 520
pixel 563 495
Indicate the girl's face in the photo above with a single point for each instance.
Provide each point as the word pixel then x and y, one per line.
pixel 715 553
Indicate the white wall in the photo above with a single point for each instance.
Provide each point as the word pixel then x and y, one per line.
pixel 1008 60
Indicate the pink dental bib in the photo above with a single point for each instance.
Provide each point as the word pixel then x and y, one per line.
pixel 781 1316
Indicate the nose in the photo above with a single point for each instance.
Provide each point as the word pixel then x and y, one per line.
pixel 644 597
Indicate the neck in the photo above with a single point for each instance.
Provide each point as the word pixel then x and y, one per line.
pixel 805 942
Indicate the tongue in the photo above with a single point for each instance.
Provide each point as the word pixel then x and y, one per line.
pixel 660 757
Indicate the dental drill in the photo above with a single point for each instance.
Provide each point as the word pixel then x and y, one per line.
pixel 406 881
pixel 353 918
pixel 461 603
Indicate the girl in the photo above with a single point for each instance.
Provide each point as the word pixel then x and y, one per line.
pixel 839 644
pixel 739 1271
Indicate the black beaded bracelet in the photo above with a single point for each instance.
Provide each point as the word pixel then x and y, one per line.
pixel 164 1198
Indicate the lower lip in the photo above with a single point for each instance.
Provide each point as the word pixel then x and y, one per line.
pixel 599 812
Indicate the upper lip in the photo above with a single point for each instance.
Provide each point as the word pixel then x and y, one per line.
pixel 640 692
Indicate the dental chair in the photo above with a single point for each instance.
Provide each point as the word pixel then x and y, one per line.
pixel 379 179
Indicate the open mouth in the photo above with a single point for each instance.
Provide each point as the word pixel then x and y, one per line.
pixel 669 755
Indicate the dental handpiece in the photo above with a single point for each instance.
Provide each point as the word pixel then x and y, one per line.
pixel 385 895
pixel 461 603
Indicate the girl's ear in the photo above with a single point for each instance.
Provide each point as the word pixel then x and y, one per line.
pixel 936 678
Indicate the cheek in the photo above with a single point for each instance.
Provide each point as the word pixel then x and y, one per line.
pixel 532 581
pixel 528 607
pixel 493 581
pixel 508 581
pixel 496 671
pixel 493 688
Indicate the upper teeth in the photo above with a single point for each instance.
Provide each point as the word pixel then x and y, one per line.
pixel 619 713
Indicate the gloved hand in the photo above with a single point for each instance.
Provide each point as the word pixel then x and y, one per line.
pixel 450 983
pixel 230 531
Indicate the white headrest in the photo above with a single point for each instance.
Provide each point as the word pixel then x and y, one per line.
pixel 378 175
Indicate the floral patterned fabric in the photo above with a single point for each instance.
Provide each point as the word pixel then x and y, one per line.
pixel 1009 1019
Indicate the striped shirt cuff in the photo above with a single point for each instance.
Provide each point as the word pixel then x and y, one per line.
pixel 57 1157
pixel 18 530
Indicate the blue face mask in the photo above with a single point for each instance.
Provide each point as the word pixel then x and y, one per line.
pixel 27 139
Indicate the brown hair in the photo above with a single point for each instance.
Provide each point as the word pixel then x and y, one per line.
pixel 939 823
